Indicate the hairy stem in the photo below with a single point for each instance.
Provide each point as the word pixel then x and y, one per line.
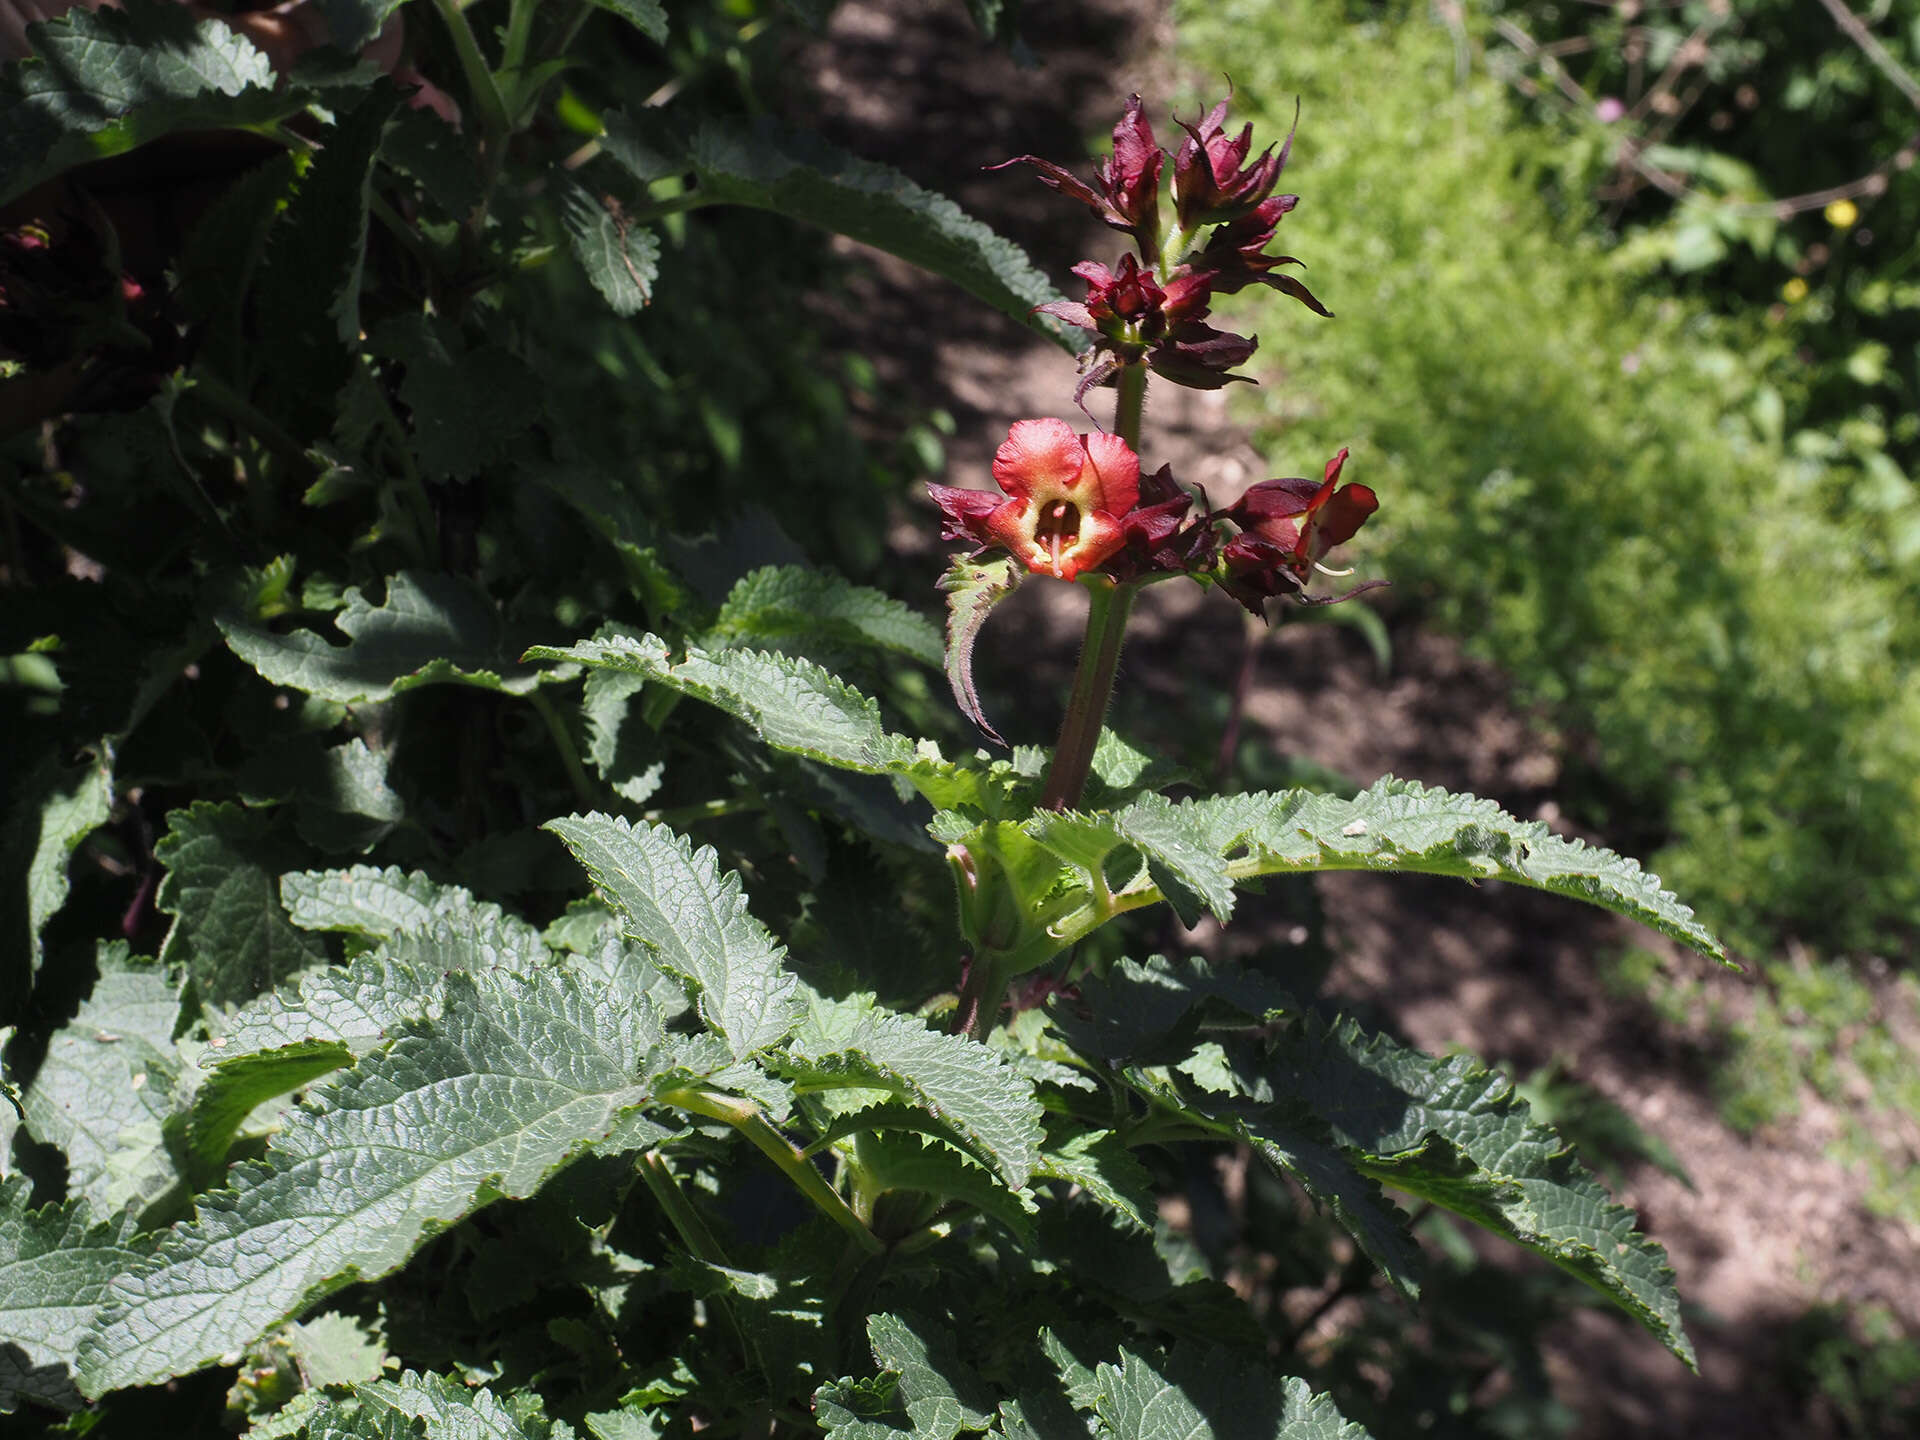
pixel 1106 632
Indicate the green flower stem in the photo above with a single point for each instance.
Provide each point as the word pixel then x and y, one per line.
pixel 1106 632
pixel 513 48
pixel 563 742
pixel 974 1016
pixel 691 1229
pixel 1107 607
pixel 479 77
pixel 745 1117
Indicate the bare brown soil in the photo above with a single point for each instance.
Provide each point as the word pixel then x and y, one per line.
pixel 1773 1226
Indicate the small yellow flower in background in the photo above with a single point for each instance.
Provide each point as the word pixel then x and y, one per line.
pixel 1842 213
pixel 1794 291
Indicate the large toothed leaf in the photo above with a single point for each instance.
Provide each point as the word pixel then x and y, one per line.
pixel 800 176
pixel 894 1160
pixel 792 704
pixel 799 610
pixel 431 630
pixel 987 1106
pixel 1194 1395
pixel 1399 825
pixel 675 899
pixel 355 1007
pixel 1455 1133
pixel 973 588
pixel 448 1406
pixel 222 886
pixel 1174 851
pixel 380 904
pixel 926 1391
pixel 107 1085
pixel 103 82
pixel 1101 1165
pixel 229 1094
pixel 646 16
pixel 55 1266
pixel 517 1077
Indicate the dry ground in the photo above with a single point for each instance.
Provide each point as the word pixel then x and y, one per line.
pixel 1773 1225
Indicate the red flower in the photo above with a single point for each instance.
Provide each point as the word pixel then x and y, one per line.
pixel 1129 195
pixel 1286 526
pixel 1136 317
pixel 1212 181
pixel 1068 498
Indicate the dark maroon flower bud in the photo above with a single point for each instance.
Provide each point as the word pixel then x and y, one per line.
pixel 1212 181
pixel 1136 318
pixel 1159 536
pixel 1235 255
pixel 1129 195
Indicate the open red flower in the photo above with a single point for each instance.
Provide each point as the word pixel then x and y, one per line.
pixel 1068 496
pixel 1286 526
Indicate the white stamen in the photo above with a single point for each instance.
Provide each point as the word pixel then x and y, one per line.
pixel 1337 574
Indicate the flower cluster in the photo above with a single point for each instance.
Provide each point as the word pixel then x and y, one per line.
pixel 1153 308
pixel 1074 505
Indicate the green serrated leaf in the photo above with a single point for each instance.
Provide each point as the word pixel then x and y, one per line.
pixel 310 278
pixel 221 886
pixel 1151 1013
pixel 380 904
pixel 676 900
pixel 449 1407
pixel 55 1269
pixel 1199 1396
pixel 800 176
pixel 793 608
pixel 1100 1164
pixel 431 630
pixel 106 1086
pixel 1188 871
pixel 517 1077
pixel 898 1161
pixel 54 809
pixel 229 1094
pixel 792 704
pixel 1387 1105
pixel 944 1396
pixel 103 82
pixel 335 1349
pixel 988 1107
pixel 352 23
pixel 356 1007
pixel 468 405
pixel 1401 826
pixel 622 260
pixel 646 16
pixel 973 588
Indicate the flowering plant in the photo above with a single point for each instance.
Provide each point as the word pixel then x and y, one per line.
pixel 410 1031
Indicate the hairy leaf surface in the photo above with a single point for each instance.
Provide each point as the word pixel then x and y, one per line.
pixel 1387 1104
pixel 222 887
pixel 973 588
pixel 989 1107
pixel 789 606
pixel 103 82
pixel 517 1077
pixel 106 1086
pixel 55 1267
pixel 676 899
pixel 431 630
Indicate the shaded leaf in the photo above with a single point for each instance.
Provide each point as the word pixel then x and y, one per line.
pixel 987 1105
pixel 222 887
pixel 790 606
pixel 431 630
pixel 622 260
pixel 973 588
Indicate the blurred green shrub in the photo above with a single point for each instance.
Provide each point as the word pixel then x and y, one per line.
pixel 1596 483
